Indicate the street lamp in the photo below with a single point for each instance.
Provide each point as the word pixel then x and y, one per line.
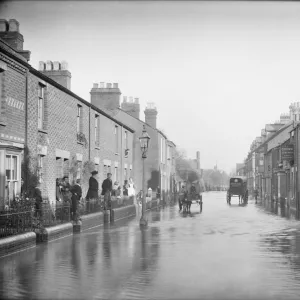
pixel 144 142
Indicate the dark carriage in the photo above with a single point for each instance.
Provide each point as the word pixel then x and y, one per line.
pixel 237 188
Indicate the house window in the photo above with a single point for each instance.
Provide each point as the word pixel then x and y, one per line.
pixel 79 167
pixel 161 150
pixel 11 172
pixel 79 118
pixel 105 171
pixel 59 167
pixel 96 130
pixel 66 167
pixel 40 162
pixel 116 140
pixel 41 106
pixel 116 174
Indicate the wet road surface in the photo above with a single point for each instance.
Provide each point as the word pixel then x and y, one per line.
pixel 226 252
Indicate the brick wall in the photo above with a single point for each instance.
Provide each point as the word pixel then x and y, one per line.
pixel 13 105
pixel 152 160
pixel 108 152
pixel 59 133
pixel 12 120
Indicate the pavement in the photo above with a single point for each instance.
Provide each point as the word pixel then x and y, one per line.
pixel 226 252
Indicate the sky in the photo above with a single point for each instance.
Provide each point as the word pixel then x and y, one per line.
pixel 216 71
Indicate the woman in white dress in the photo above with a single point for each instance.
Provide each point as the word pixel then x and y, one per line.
pixel 131 188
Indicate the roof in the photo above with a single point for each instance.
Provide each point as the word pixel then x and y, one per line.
pixel 57 85
pixel 271 137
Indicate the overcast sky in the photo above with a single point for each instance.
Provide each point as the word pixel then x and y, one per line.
pixel 217 71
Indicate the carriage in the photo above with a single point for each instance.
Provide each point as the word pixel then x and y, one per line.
pixel 186 201
pixel 237 188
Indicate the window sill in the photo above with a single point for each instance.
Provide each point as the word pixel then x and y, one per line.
pixel 97 147
pixel 43 131
pixel 117 154
pixel 80 143
pixel 2 123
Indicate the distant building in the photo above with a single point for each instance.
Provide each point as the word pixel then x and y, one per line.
pixel 240 169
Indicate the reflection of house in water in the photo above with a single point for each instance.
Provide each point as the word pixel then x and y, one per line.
pixel 295 249
pixel 91 251
pixel 156 216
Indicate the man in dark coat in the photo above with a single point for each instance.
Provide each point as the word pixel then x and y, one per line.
pixel 76 196
pixel 106 190
pixel 37 195
pixel 107 184
pixel 93 187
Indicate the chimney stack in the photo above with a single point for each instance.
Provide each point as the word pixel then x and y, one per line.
pixel 106 96
pixel 57 71
pixel 132 108
pixel 9 33
pixel 198 160
pixel 151 114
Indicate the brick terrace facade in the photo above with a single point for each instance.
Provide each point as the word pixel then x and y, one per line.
pixel 52 135
pixel 160 162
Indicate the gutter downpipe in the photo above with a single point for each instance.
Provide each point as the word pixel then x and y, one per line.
pixel 26 123
pixel 89 133
pixel 297 176
pixel 121 160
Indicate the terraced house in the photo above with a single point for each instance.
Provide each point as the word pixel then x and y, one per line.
pixel 160 162
pixel 42 119
pixel 272 162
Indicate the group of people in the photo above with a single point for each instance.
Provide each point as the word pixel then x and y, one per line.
pixel 73 194
pixel 65 193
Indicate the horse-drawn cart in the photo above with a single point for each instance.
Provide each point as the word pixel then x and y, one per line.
pixel 238 188
pixel 186 201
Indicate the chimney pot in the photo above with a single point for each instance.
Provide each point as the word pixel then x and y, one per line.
pixel 41 66
pixel 49 66
pixel 13 25
pixel 102 85
pixel 64 65
pixel 124 98
pixel 95 85
pixel 3 25
pixel 108 85
pixel 130 99
pixel 115 85
pixel 56 66
pixel 136 100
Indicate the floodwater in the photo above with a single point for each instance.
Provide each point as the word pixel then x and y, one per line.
pixel 225 252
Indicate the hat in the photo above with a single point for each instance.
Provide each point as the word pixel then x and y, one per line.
pixel 94 172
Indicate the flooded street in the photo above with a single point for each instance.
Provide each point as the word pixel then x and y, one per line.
pixel 226 252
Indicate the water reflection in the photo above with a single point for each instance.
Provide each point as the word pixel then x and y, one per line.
pixel 259 249
pixel 106 246
pixel 75 257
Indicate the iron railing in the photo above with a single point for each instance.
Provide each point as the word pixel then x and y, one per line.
pixel 90 206
pixel 25 216
pixel 121 202
pixel 53 215
pixel 12 223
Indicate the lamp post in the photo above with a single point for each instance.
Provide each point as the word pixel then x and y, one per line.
pixel 144 142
